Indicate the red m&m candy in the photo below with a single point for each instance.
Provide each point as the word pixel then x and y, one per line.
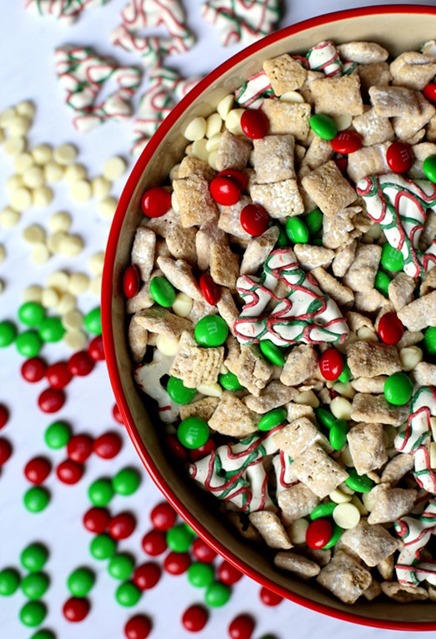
pixel 209 289
pixel 147 575
pixel 58 375
pixel 228 574
pixel 75 609
pixel 225 190
pixel 156 202
pixel 241 627
pixel 37 470
pixel 254 219
pixel 269 598
pixel 121 526
pixel 138 627
pixel 4 415
pixel 5 450
pixel 81 364
pixel 154 543
pixel 331 364
pixel 202 551
pixel 176 563
pixel 79 448
pixel 108 445
pixel 429 92
pixel 96 349
pixel 318 533
pixel 399 157
pixel 194 618
pixel 390 328
pixel 131 281
pixel 96 520
pixel 238 176
pixel 33 369
pixel 51 400
pixel 163 516
pixel 69 472
pixel 254 123
pixel 346 142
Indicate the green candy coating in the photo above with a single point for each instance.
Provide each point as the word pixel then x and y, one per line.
pixel 193 432
pixel 8 333
pixel 51 330
pixel 80 582
pixel 31 313
pixel 217 594
pixel 324 126
pixel 272 352
pixel 325 417
pixel 391 258
pixel 381 283
pixel 359 483
pixel 35 585
pixel 282 240
pixel 429 168
pixel 9 582
pixel 297 231
pixel 102 547
pixel 200 575
pixel 29 344
pixel 314 221
pixel 162 291
pixel 336 535
pixel 322 510
pixel 33 613
pixel 180 393
pixel 272 419
pixel 57 435
pixel 211 331
pixel 338 434
pixel 100 492
pixel 230 382
pixel 43 634
pixel 34 557
pixel 430 340
pixel 179 538
pixel 127 594
pixel 121 567
pixel 36 499
pixel 345 376
pixel 92 321
pixel 126 482
pixel 398 389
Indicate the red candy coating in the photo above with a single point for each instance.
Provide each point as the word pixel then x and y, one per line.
pixel 399 157
pixel 5 450
pixel 209 289
pixel 69 472
pixel 51 400
pixel 96 349
pixel 202 551
pixel 254 123
pixel 33 370
pixel 131 281
pixel 176 447
pixel 204 450
pixel 390 328
pixel 346 142
pixel 269 598
pixel 108 445
pixel 238 176
pixel 156 202
pixel 225 190
pixel 37 470
pixel 194 618
pixel 331 364
pixel 4 415
pixel 58 375
pixel 154 543
pixel 163 516
pixel 429 92
pixel 79 448
pixel 75 609
pixel 81 364
pixel 121 526
pixel 176 563
pixel 241 627
pixel 147 575
pixel 318 533
pixel 254 219
pixel 138 627
pixel 228 574
pixel 116 414
pixel 96 520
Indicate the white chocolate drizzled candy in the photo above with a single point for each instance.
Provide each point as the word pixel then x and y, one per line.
pixel 252 92
pixel 416 533
pixel 67 11
pixel 239 21
pixel 325 57
pixel 148 379
pixel 400 206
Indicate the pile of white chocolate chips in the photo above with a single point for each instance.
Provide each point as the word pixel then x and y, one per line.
pixel 282 303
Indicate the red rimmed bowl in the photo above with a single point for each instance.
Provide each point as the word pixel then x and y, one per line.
pixel 398 28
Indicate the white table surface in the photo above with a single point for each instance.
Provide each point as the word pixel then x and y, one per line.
pixel 27 72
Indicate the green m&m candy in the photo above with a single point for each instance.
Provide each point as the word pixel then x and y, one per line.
pixel 324 126
pixel 126 482
pixel 57 435
pixel 35 585
pixel 34 557
pixel 51 329
pixel 345 376
pixel 100 492
pixel 29 344
pixel 323 510
pixel 297 231
pixel 314 221
pixel 398 389
pixel 429 168
pixel 121 566
pixel 336 535
pixel 31 313
pixel 430 340
pixel 272 352
pixel 162 291
pixel 282 240
pixel 33 613
pixel 359 483
pixel 381 283
pixel 92 321
pixel 9 582
pixel 272 419
pixel 230 382
pixel 338 434
pixel 193 432
pixel 211 331
pixel 80 582
pixel 179 538
pixel 36 499
pixel 217 594
pixel 325 417
pixel 391 258
pixel 102 547
pixel 127 594
pixel 178 392
pixel 43 634
pixel 8 332
pixel 200 575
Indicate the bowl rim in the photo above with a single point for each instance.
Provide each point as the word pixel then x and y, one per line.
pixel 108 287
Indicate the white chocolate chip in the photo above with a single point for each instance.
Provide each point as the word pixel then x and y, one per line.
pixel 214 125
pixel 114 168
pixel 410 356
pixel 307 398
pixel 13 183
pixel 58 280
pixel 344 389
pixel 81 191
pixel 32 293
pixel 49 297
pixel 65 154
pixel 33 177
pixel 60 221
pixel 21 199
pixel 34 234
pixel 182 305
pixel 212 159
pixel 66 303
pixel 42 154
pixel 26 108
pixel 107 207
pixel 2 136
pixel 167 345
pixel 2 253
pixel 96 263
pixel 101 187
pixel 346 516
pixel 213 143
pixel 369 501
pixel 75 340
pixel 210 390
pixel 360 507
pixel 341 408
pixel 42 196
pixel 18 126
pixel 40 254
pixel 366 334
pixel 345 457
pixel 339 497
pixel 199 149
pixel 343 121
pixel 291 96
pixel 14 146
pixel 71 245
pixel 7 115
pixel 174 202
pixel 196 129
pixel 78 284
pixel 174 172
pixel 95 285
pixel 23 162
pixel 224 106
pixel 9 218
pixel 73 320
pixel 75 172
pixel 233 121
pixel 53 172
pixel 297 531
